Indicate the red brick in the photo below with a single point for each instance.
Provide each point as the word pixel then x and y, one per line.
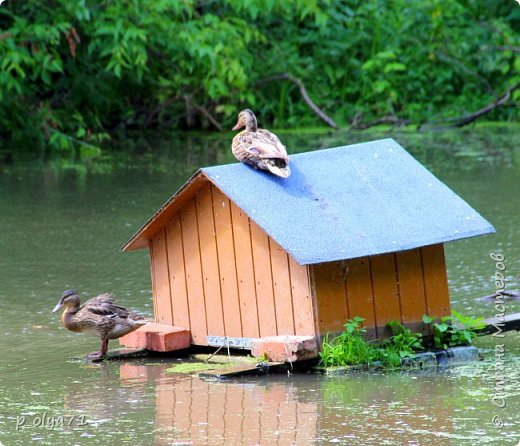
pixel 136 339
pixel 158 338
pixel 285 348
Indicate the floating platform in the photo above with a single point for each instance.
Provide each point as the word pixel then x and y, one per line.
pixel 281 354
pixel 498 324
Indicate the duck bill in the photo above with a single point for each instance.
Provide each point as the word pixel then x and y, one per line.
pixel 238 125
pixel 57 307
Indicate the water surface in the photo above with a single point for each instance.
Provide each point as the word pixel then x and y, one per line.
pixel 62 222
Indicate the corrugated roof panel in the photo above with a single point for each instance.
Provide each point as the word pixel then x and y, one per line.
pixel 350 201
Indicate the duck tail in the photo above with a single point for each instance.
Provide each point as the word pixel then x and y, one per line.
pixel 138 320
pixel 278 167
pixel 139 323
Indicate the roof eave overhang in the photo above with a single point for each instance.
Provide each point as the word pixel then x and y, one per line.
pixel 390 249
pixel 141 239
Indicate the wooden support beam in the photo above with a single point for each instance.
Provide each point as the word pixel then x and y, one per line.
pixel 499 325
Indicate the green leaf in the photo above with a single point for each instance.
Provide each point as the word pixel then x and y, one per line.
pixel 517 64
pixel 369 65
pixel 45 77
pixel 380 85
pixel 394 66
pixel 442 327
pixel 386 55
pixel 467 336
pixel 427 319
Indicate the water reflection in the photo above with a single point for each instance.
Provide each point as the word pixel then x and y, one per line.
pixel 188 410
pixel 210 413
pixel 96 400
pixel 192 411
pixel 278 410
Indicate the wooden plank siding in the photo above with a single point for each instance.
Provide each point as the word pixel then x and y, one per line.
pixel 210 262
pixel 245 273
pixel 411 289
pixel 331 296
pixel 227 263
pixel 399 286
pixel 194 278
pixel 161 279
pixel 178 291
pixel 282 289
pixel 155 291
pixel 263 281
pixel 303 302
pixel 385 290
pixel 435 281
pixel 359 292
pixel 215 272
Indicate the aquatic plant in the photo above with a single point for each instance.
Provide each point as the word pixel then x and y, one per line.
pixel 192 367
pixel 350 347
pixel 403 340
pixel 455 330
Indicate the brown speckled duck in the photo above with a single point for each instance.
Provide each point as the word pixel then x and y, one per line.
pixel 98 315
pixel 259 147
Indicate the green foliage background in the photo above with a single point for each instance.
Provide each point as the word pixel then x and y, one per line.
pixel 83 70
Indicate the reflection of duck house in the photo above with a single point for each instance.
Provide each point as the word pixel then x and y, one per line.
pixel 238 254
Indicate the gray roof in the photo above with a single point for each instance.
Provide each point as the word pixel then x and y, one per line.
pixel 351 201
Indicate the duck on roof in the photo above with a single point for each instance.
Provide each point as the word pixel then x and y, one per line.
pixel 354 231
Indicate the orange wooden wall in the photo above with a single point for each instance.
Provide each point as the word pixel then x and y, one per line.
pixel 215 272
pixel 400 286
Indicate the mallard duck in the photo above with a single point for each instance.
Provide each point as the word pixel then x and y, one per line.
pixel 259 147
pixel 99 315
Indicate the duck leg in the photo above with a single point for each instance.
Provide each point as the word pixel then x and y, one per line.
pixel 102 353
pixel 104 347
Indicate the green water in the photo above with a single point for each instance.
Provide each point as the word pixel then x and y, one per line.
pixel 62 222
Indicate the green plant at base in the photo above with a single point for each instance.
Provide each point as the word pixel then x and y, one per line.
pixel 349 348
pixel 455 330
pixel 403 340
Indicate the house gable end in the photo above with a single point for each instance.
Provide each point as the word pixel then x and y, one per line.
pixel 165 213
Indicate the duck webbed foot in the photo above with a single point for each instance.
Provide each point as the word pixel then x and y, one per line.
pixel 98 356
pixel 95 356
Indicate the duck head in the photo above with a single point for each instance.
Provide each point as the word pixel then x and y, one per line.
pixel 247 119
pixel 69 298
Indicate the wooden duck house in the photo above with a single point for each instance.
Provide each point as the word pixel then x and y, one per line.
pixel 238 254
